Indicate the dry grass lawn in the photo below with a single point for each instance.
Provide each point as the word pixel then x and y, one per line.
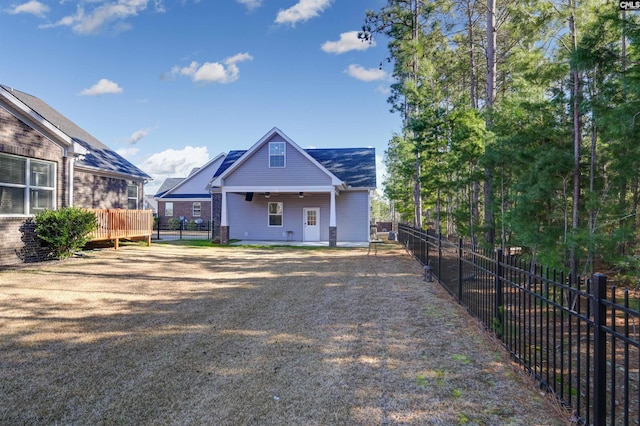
pixel 243 336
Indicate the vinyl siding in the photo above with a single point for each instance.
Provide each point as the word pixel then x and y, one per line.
pixel 251 217
pixel 298 170
pixel 352 216
pixel 197 183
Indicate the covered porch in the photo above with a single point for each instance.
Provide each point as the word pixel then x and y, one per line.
pixel 293 214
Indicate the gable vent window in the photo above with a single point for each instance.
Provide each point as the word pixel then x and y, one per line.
pixel 276 154
pixel 27 186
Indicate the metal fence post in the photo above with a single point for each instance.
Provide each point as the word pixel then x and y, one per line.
pixel 460 270
pixel 499 298
pixel 599 293
pixel 426 239
pixel 422 243
pixel 439 254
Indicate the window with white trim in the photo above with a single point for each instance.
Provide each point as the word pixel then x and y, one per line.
pixel 276 154
pixel 27 186
pixel 197 209
pixel 132 197
pixel 168 209
pixel 275 214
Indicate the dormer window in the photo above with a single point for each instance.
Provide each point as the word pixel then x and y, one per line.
pixel 276 154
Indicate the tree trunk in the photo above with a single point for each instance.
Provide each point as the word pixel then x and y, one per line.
pixel 472 60
pixel 577 128
pixel 491 97
pixel 417 194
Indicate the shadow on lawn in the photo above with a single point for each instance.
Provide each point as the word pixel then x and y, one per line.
pixel 240 337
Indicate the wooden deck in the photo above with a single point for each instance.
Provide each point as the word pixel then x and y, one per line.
pixel 116 224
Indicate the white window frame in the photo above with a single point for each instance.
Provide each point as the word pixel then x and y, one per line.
pixel 130 198
pixel 196 212
pixel 32 192
pixel 282 155
pixel 280 209
pixel 168 207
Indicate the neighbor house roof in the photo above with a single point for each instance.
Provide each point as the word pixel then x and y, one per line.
pixel 169 183
pixel 193 186
pixel 354 166
pixel 99 157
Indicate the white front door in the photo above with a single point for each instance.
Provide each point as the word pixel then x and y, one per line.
pixel 311 223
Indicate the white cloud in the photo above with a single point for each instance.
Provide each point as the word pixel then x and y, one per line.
pixel 384 89
pixel 213 72
pixel 348 41
pixel 250 4
pixel 103 15
pixel 128 152
pixel 371 74
pixel 102 87
pixel 302 11
pixel 33 7
pixel 138 135
pixel 173 163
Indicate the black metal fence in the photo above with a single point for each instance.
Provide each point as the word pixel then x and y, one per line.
pixel 183 230
pixel 580 340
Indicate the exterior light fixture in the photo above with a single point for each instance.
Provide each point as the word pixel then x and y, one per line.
pixel 267 194
pixel 300 194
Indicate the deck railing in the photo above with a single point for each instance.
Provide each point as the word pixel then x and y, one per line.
pixel 114 224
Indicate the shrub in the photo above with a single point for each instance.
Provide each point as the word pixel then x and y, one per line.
pixel 174 224
pixel 66 230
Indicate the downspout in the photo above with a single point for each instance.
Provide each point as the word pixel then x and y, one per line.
pixel 369 224
pixel 72 162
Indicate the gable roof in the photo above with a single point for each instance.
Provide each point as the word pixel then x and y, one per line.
pixel 185 187
pixel 232 157
pixel 356 167
pixel 169 183
pixel 99 156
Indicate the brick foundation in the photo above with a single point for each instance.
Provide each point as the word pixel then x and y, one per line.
pixel 19 242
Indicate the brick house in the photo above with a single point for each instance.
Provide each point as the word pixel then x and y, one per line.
pixel 189 198
pixel 47 162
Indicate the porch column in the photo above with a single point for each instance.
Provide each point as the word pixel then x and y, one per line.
pixel 224 225
pixel 333 229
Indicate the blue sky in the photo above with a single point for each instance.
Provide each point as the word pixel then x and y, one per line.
pixel 170 84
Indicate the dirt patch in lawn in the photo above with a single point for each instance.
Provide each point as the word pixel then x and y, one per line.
pixel 235 336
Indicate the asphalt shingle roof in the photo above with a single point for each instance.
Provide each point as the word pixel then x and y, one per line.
pixel 167 185
pixel 355 166
pixel 100 156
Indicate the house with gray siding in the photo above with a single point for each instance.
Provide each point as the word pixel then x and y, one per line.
pixel 47 162
pixel 278 191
